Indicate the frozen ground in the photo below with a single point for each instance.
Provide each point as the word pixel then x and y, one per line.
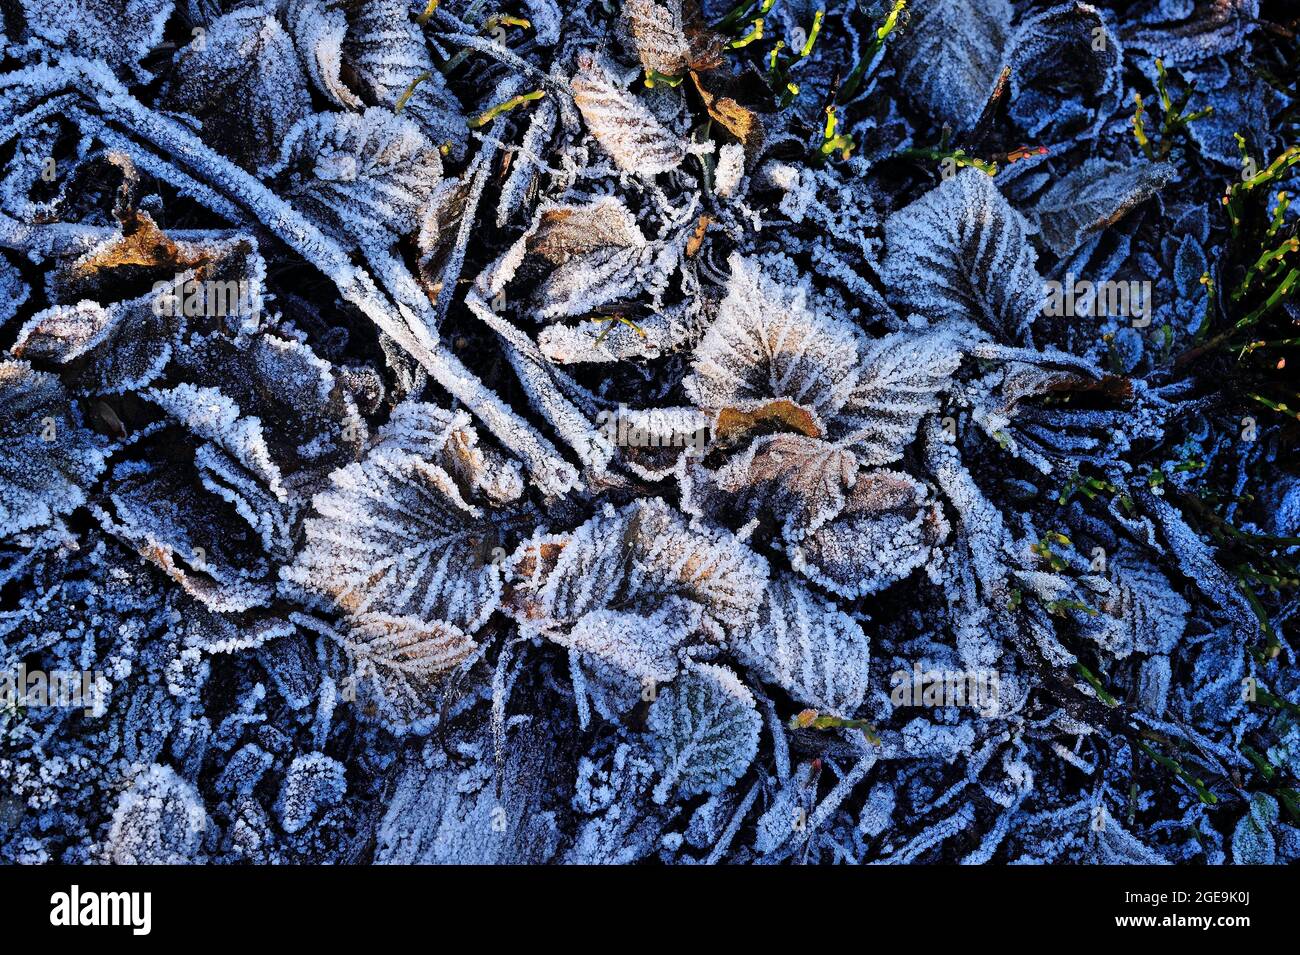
pixel 629 431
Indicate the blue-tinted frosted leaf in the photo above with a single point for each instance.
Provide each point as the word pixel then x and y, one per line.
pixel 244 85
pixel 119 32
pixel 816 653
pixel 361 176
pixel 1094 197
pixel 1252 841
pixel 160 820
pixel 313 782
pixel 705 732
pixel 887 529
pixel 47 460
pixel 951 53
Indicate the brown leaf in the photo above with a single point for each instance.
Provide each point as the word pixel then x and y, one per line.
pixel 735 424
pixel 569 232
pixel 697 237
pixel 741 122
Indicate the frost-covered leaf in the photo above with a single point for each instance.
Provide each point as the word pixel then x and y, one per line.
pixel 595 249
pixel 456 810
pixel 951 53
pixel 606 785
pixel 653 440
pixel 606 341
pixel 705 732
pixel 767 343
pixel 791 480
pixel 898 382
pixel 119 32
pixel 127 344
pixel 318 28
pixel 14 291
pixel 567 232
pixel 887 529
pixel 47 460
pixel 197 539
pixel 362 176
pixel 660 35
pixel 267 465
pixel 243 84
pixel 962 253
pixel 211 416
pixel 1252 841
pixel 634 559
pixel 160 820
pixel 628 652
pixel 816 653
pixel 637 141
pixel 1066 69
pixel 312 783
pixel 1193 31
pixel 396 537
pixel 397 663
pixel 1140 612
pixel 1094 197
pixel 385 50
pixel 448 439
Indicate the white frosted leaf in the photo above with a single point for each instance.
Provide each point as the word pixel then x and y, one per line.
pixel 210 415
pixel 660 35
pixel 705 732
pixel 394 536
pixel 899 379
pixel 193 536
pixel 1140 613
pixel 766 343
pixel 386 51
pixel 448 439
pixel 567 232
pixel 652 440
pixel 546 18
pixel 312 783
pixel 637 141
pixel 14 291
pixel 635 558
pixel 318 28
pixel 1195 31
pixel 444 811
pixel 603 341
pixel 399 662
pixel 1253 842
pixel 628 652
pixel 1066 69
pixel 160 820
pixel 127 344
pixel 803 644
pixel 364 177
pixel 961 253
